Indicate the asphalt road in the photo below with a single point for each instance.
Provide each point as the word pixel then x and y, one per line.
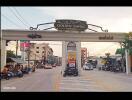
pixel 40 81
pixel 51 80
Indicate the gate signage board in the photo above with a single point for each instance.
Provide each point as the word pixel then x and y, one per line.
pixel 73 25
pixel 106 37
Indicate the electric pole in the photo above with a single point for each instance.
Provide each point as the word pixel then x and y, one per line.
pixel 16 47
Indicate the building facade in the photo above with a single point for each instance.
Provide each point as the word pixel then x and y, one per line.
pixel 40 52
pixel 57 60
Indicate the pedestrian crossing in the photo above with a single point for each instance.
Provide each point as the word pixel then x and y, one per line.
pixel 78 84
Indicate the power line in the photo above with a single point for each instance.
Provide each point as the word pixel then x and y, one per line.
pixel 21 16
pixel 18 17
pixel 10 20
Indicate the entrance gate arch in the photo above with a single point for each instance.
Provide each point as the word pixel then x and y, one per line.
pixel 64 37
pixel 67 30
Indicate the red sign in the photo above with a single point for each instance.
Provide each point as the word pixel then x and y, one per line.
pixel 24 44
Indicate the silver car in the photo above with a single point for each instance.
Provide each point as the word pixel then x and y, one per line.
pixel 88 66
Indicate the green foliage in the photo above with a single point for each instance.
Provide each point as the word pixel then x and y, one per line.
pixel 130 51
pixel 120 51
pixel 127 44
pixel 10 53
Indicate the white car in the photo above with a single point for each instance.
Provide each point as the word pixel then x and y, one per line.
pixel 88 66
pixel 47 66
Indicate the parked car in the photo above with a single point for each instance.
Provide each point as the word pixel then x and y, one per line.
pixel 94 63
pixel 54 65
pixel 42 66
pixel 70 71
pixel 48 66
pixel 88 66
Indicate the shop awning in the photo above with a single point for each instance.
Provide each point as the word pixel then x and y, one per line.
pixel 17 60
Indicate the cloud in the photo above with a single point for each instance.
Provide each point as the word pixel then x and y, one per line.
pixel 100 48
pixel 115 19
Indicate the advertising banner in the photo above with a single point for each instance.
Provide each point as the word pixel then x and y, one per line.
pixel 24 46
pixel 71 53
pixel 71 57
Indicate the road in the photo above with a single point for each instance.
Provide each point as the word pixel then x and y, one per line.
pixel 50 80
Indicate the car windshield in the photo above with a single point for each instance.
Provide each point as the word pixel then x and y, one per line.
pixel 87 64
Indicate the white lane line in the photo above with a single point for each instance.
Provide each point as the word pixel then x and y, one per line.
pixel 79 89
pixel 77 79
pixel 81 85
pixel 67 81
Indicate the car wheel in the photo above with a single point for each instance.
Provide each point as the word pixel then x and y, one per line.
pixel 64 75
pixel 75 74
pixel 7 78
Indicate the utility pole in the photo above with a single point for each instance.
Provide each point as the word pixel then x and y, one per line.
pixel 24 52
pixel 29 55
pixel 16 47
pixel 35 57
pixel 122 62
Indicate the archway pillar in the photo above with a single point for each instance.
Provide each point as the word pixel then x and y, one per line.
pixel 78 55
pixel 128 67
pixel 3 53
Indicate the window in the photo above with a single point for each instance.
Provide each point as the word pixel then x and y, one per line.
pixel 37 47
pixel 37 51
pixel 42 51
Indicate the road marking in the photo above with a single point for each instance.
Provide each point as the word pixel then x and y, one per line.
pixel 57 79
pixel 79 85
pixel 76 82
pixel 99 83
pixel 79 89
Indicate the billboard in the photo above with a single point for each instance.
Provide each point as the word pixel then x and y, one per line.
pixel 71 57
pixel 24 45
pixel 71 53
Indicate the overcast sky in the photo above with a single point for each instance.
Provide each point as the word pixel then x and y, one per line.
pixel 115 19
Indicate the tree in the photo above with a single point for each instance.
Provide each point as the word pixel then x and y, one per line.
pixel 127 43
pixel 120 51
pixel 7 42
pixel 10 53
pixel 130 51
pixel 29 53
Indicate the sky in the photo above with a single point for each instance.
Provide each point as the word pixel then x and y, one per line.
pixel 115 19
